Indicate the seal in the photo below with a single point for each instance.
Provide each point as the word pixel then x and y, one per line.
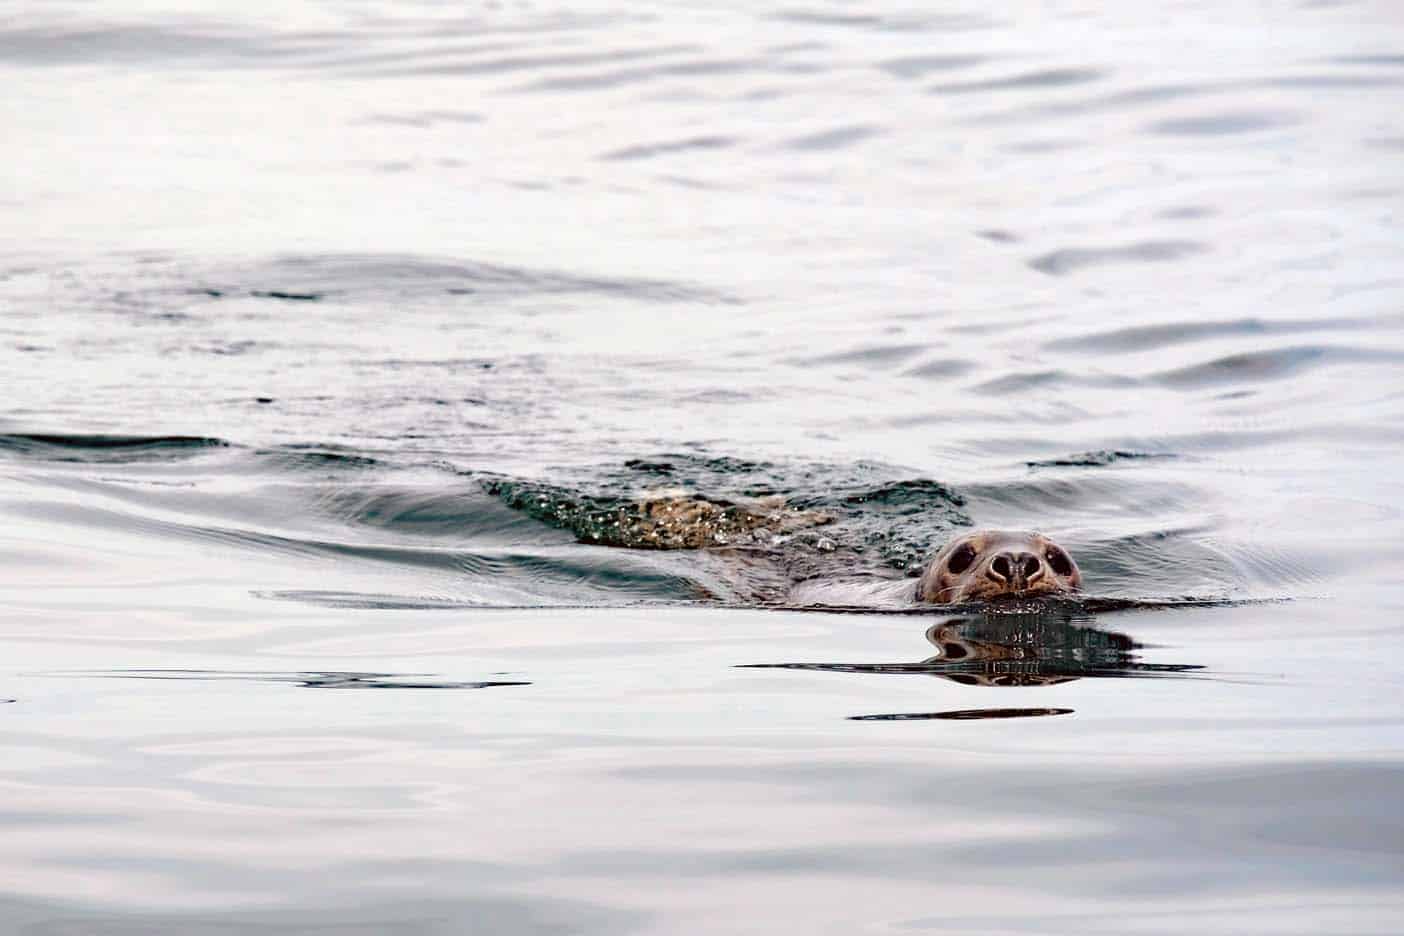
pixel 993 564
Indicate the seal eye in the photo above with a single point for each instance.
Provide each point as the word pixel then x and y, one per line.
pixel 960 559
pixel 1059 561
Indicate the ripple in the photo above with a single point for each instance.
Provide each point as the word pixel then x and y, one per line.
pixel 1043 78
pixel 1097 459
pixel 652 150
pixel 837 138
pixel 1160 562
pixel 876 356
pixel 899 22
pixel 941 369
pixel 1072 259
pixel 1023 383
pixel 965 714
pixel 307 680
pixel 1273 364
pixel 1385 60
pixel 537 62
pixel 919 66
pixel 1149 337
pixel 311 277
pixel 425 119
pixel 145 44
pixel 366 601
pixel 633 76
pixel 1224 123
pixel 106 448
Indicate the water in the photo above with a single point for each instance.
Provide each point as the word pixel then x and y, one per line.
pixel 341 344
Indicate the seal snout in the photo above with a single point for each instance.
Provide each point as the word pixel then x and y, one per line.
pixel 1015 570
pixel 986 565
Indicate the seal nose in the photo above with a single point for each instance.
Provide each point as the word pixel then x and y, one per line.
pixel 1018 570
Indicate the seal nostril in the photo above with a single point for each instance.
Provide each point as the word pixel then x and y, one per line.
pixel 1002 567
pixel 1031 566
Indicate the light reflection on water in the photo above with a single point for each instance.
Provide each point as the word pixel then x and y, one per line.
pixel 336 340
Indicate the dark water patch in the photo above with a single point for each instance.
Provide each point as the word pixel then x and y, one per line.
pixel 1326 82
pixel 1150 337
pixel 449 511
pixel 826 18
pixel 1042 380
pixel 651 467
pixel 965 714
pixel 299 458
pixel 700 68
pixel 106 448
pixel 1047 145
pixel 885 22
pixel 787 48
pixel 424 119
pixel 1113 101
pixel 837 138
pixel 1385 60
pixel 1274 364
pixel 529 62
pixel 1149 95
pixel 448 364
pixel 1187 213
pixel 688 182
pixel 907 496
pixel 308 680
pixel 230 348
pixel 1072 259
pixel 474 907
pixel 879 356
pixel 1012 650
pixel 1224 124
pixel 919 66
pixel 719 397
pixel 1097 459
pixel 290 296
pixel 149 45
pixel 350 276
pixel 363 601
pixel 941 369
pixel 652 150
pixel 1044 78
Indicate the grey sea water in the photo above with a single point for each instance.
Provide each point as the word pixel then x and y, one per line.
pixel 340 342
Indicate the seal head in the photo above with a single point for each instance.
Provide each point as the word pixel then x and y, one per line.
pixel 992 564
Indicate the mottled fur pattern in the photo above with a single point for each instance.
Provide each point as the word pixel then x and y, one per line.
pixel 677 520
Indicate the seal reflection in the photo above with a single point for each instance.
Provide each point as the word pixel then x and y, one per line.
pixel 1007 649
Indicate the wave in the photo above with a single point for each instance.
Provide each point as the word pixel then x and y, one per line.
pixel 77 447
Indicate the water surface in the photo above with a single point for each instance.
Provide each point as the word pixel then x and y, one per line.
pixel 341 346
